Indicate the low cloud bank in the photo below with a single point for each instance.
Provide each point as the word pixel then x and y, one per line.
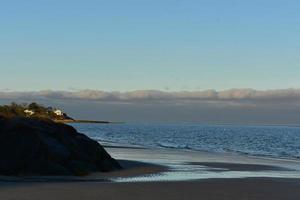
pixel 156 95
pixel 230 106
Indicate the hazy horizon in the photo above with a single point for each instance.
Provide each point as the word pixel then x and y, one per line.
pixel 164 61
pixel 235 106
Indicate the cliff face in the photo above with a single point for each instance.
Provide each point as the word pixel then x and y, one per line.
pixel 42 147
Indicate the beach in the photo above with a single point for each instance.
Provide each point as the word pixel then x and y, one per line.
pixel 232 189
pixel 168 174
pixel 150 100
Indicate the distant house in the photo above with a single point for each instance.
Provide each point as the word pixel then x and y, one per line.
pixel 59 112
pixel 28 112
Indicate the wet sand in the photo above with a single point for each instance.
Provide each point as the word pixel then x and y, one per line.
pixel 222 166
pixel 220 189
pixel 130 169
pixel 150 180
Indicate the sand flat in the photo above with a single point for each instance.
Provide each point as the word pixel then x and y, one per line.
pixel 216 189
pixel 168 175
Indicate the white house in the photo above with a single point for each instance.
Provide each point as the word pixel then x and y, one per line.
pixel 28 112
pixel 59 112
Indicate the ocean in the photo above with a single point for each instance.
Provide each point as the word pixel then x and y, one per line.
pixel 266 141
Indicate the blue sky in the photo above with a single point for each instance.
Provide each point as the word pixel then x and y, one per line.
pixel 150 44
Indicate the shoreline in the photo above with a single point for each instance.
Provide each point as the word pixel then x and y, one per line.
pixel 110 145
pixel 234 153
pixel 168 175
pixel 82 121
pixel 156 165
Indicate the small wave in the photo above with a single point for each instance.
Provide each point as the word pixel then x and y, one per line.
pixel 173 146
pixel 279 142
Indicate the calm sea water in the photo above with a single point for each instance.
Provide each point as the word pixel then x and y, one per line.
pixel 270 141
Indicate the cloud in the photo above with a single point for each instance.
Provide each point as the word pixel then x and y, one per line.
pixel 238 95
pixel 281 106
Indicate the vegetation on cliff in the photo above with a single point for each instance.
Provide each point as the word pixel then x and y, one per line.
pixel 32 110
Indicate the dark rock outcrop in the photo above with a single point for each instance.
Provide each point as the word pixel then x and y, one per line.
pixel 42 147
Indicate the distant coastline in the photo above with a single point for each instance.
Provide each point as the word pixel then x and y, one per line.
pixel 82 121
pixel 34 110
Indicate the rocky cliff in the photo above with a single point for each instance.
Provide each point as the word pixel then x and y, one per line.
pixel 31 146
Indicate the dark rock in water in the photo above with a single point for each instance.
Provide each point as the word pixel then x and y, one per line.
pixel 42 147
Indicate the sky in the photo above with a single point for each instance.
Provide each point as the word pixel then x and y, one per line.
pixel 163 45
pixel 157 45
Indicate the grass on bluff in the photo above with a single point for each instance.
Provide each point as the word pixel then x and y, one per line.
pixel 39 111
